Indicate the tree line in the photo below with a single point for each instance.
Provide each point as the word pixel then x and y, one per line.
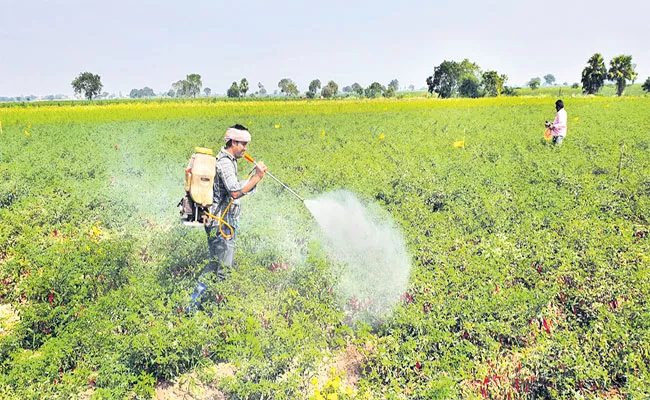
pixel 466 79
pixel 595 74
pixel 449 79
pixel 621 70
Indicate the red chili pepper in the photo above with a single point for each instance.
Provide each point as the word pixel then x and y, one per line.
pixel 546 327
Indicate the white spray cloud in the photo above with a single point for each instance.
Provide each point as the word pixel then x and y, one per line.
pixel 376 265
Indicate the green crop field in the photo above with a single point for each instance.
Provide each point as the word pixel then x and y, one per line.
pixel 530 264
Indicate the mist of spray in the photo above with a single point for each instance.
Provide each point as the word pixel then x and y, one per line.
pixel 370 248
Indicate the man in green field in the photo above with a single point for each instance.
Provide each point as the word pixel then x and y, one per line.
pixel 559 126
pixel 227 192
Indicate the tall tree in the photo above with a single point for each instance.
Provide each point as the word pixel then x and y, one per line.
pixel 194 84
pixel 330 90
pixel 261 89
pixel 357 88
pixel 534 83
pixel 148 92
pixel 181 88
pixel 233 91
pixel 444 79
pixel 243 87
pixel 549 79
pixel 314 86
pixel 394 84
pixel 621 70
pixel 207 91
pixel 493 83
pixel 288 87
pixel 374 90
pixel 89 84
pixel 594 74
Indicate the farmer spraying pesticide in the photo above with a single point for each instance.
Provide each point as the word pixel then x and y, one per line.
pixel 557 129
pixel 377 265
pixel 222 217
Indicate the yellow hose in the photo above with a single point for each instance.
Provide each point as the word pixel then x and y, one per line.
pixel 221 219
pixel 223 222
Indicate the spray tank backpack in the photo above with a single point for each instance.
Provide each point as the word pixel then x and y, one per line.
pixel 199 180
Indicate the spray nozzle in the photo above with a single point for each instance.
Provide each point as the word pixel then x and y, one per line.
pixel 249 158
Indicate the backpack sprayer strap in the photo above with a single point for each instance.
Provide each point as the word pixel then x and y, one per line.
pixel 221 220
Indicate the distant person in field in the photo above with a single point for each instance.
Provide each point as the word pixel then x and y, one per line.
pixel 558 126
pixel 227 190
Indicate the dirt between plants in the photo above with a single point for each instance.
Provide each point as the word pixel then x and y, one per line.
pixel 347 364
pixel 190 386
pixel 8 318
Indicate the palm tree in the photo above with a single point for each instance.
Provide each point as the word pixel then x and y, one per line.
pixel 621 70
pixel 594 74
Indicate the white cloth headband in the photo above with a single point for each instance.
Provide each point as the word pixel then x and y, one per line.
pixel 238 135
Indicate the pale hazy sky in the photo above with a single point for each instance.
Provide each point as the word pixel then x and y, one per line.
pixel 45 44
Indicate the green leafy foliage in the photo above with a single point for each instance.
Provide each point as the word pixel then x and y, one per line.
pixel 621 70
pixel 89 84
pixel 529 270
pixel 330 90
pixel 288 87
pixel 493 83
pixel 233 91
pixel 243 87
pixel 594 74
pixel 534 83
pixel 314 86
